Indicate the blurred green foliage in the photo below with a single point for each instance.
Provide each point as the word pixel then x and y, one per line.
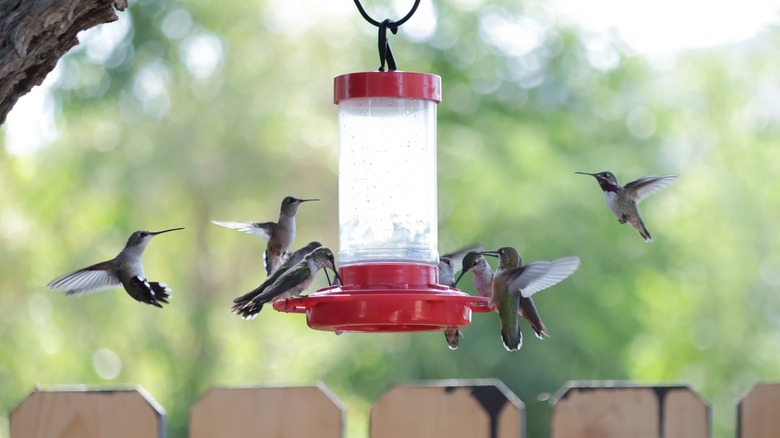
pixel 186 112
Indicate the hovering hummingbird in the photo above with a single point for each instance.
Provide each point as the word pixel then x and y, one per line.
pixel 125 269
pixel 513 285
pixel 448 266
pixel 293 281
pixel 623 200
pixel 244 305
pixel 280 234
pixel 482 276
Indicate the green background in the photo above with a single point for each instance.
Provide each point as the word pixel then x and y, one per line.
pixel 148 138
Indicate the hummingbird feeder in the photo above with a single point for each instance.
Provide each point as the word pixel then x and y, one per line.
pixel 388 256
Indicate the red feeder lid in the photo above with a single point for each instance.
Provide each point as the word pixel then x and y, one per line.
pixel 392 83
pixel 386 298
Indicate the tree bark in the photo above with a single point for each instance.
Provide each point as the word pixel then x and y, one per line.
pixel 34 34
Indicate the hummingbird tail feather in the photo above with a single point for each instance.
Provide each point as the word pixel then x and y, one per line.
pixel 639 225
pixel 512 341
pixel 645 234
pixel 452 336
pixel 161 291
pixel 248 310
pixel 149 292
pixel 541 334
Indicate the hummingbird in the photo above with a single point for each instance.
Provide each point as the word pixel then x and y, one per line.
pixel 482 276
pixel 293 281
pixel 241 305
pixel 280 234
pixel 125 269
pixel 448 266
pixel 514 283
pixel 623 200
pixel 481 272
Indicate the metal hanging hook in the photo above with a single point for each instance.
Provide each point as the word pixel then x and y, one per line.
pixel 385 52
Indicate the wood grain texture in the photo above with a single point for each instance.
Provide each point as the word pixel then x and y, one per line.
pixel 621 410
pixel 34 34
pixel 759 412
pixel 125 413
pixel 268 412
pixel 450 409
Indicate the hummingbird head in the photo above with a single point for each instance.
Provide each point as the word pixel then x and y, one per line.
pixel 472 261
pixel 446 271
pixel 508 258
pixel 142 238
pixel 323 257
pixel 290 204
pixel 606 180
pixel 445 263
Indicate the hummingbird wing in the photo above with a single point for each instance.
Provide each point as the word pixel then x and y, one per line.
pixel 646 186
pixel 95 278
pixel 535 276
pixel 262 229
pixel 241 304
pixel 294 278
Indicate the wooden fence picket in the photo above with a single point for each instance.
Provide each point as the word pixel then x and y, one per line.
pixel 462 408
pixel 309 411
pixel 758 413
pixel 621 409
pixel 88 413
pixel 445 408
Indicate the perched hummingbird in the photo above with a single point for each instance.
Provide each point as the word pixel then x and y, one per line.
pixel 125 269
pixel 513 285
pixel 280 234
pixel 450 263
pixel 244 306
pixel 481 272
pixel 293 281
pixel 623 200
pixel 448 266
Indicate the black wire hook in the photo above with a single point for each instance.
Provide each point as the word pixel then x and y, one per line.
pixel 385 52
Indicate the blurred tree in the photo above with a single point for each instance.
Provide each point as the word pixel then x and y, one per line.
pixel 35 34
pixel 181 113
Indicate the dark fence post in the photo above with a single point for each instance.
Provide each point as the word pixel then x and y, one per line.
pixel 448 408
pixel 617 409
pixel 758 413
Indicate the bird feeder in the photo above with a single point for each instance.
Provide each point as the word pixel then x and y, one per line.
pixel 388 255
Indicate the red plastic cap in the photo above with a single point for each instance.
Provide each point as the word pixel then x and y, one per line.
pixel 394 83
pixel 386 298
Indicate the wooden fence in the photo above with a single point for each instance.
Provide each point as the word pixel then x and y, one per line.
pixel 474 409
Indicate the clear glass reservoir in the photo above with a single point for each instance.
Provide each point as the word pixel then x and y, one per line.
pixel 387 167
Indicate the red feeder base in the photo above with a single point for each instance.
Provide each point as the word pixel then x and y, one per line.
pixel 386 297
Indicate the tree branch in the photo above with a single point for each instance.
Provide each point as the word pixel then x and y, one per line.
pixel 34 34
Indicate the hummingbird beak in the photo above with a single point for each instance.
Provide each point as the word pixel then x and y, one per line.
pixel 327 277
pixel 165 231
pixel 459 277
pixel 307 200
pixel 337 279
pixel 489 253
pixel 586 173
